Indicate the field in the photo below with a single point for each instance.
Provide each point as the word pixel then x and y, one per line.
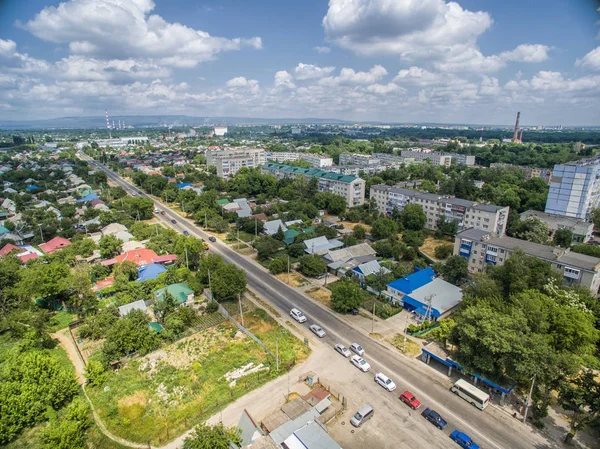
pixel 158 397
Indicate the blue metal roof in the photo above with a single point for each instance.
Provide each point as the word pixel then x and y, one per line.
pixel 90 197
pixel 410 283
pixel 181 185
pixel 150 272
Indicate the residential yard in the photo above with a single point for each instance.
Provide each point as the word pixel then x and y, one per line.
pixel 61 320
pixel 430 244
pixel 295 280
pixel 155 398
pixel 350 225
pixel 413 348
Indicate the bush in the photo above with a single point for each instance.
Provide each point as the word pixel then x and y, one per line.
pixel 277 265
pixel 312 265
pixel 443 251
pixel 212 307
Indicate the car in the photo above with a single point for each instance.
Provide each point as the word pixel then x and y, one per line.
pixel 297 315
pixel 317 330
pixel 186 233
pixel 174 221
pixel 434 418
pixel 360 363
pixel 409 399
pixel 162 212
pixel 212 239
pixel 385 382
pixel 364 414
pixel 356 348
pixel 463 440
pixel 343 350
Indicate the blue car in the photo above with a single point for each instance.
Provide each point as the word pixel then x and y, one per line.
pixel 434 418
pixel 463 440
pixel 186 233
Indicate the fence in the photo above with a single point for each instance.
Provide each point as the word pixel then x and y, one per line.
pixel 73 325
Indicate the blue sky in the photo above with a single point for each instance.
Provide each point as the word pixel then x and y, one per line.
pixel 472 61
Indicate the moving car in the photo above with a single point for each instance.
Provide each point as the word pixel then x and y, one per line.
pixel 463 440
pixel 212 239
pixel 355 347
pixel 317 330
pixel 360 363
pixel 364 414
pixel 343 350
pixel 186 233
pixel 434 418
pixel 385 382
pixel 174 221
pixel 409 399
pixel 297 315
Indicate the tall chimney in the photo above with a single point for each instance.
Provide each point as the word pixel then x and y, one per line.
pixel 516 133
pixel 521 137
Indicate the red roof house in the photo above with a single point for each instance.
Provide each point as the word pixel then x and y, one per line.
pixel 54 245
pixel 140 256
pixel 165 259
pixel 6 249
pixel 27 256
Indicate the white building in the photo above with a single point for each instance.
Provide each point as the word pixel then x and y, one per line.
pixel 484 216
pixel 220 131
pixel 421 154
pixel 230 161
pixel 358 159
pixel 581 229
pixel 315 160
pixel 121 142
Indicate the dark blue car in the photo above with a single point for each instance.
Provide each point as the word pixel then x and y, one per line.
pixel 434 418
pixel 463 440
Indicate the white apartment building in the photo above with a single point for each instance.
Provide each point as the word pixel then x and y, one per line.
pixel 480 248
pixel 229 161
pixel 358 159
pixel 315 160
pixel 421 154
pixel 488 217
pixel 349 187
pixel 463 159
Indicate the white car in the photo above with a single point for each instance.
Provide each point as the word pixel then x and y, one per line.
pixel 360 363
pixel 385 382
pixel 297 315
pixel 355 347
pixel 317 330
pixel 343 350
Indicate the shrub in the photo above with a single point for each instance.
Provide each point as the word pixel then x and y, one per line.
pixel 443 251
pixel 212 307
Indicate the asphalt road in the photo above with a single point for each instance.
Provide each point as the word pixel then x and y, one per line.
pixel 490 428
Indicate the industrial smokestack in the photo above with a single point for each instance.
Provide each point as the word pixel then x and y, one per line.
pixel 516 133
pixel 108 125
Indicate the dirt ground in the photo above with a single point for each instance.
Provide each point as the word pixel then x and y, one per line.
pixel 431 244
pixel 320 295
pixel 412 348
pixel 295 279
pixel 67 344
pixel 350 225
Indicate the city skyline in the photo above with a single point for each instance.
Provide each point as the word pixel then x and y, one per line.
pixel 357 60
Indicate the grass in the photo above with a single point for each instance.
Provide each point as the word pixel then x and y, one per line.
pixel 430 244
pixel 295 280
pixel 383 310
pixel 60 320
pixel 413 349
pixel 146 403
pixel 320 295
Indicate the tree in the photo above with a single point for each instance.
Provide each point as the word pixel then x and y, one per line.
pixel 228 281
pixel 189 250
pixel 266 247
pixel 279 235
pixel 278 265
pixel 378 281
pixel 95 373
pixel 563 237
pixel 532 229
pixel 345 296
pixel 455 269
pixel 413 238
pixel 412 217
pixel 110 246
pixel 359 232
pixel 69 432
pixel 216 437
pixel 129 334
pixel 443 251
pixel 312 265
pixel 447 227
pixel 295 250
pixel 164 307
pixel 335 204
pixel 84 300
pixel 384 228
pixel 45 280
pixel 595 218
pixel 218 224
pixel 581 396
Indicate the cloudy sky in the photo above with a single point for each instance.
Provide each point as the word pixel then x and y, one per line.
pixel 471 61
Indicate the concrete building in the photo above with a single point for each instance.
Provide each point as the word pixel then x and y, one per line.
pixel 358 159
pixel 421 154
pixel 462 159
pixel 482 248
pixel 220 131
pixel 349 187
pixel 121 142
pixel 315 160
pixel 484 216
pixel 393 160
pixel 581 229
pixel 229 161
pixel 574 189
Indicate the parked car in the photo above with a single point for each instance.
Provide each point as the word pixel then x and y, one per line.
pixel 186 233
pixel 463 440
pixel 356 348
pixel 434 418
pixel 174 221
pixel 364 414
pixel 212 239
pixel 385 382
pixel 343 350
pixel 297 315
pixel 317 330
pixel 360 363
pixel 162 212
pixel 409 399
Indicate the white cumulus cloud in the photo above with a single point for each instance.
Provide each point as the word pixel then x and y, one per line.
pixel 310 72
pixel 590 60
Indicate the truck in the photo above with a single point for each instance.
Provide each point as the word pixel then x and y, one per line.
pixel 434 418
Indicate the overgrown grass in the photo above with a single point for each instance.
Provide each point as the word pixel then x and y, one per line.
pixel 60 320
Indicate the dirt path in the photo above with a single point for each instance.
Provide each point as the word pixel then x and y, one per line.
pixel 64 338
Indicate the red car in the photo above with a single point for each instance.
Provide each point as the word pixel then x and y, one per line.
pixel 409 399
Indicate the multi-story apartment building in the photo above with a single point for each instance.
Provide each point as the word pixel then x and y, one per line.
pixel 574 189
pixel 462 159
pixel 229 161
pixel 315 160
pixel 358 159
pixel 391 160
pixel 421 154
pixel 349 187
pixel 528 172
pixel 484 216
pixel 581 229
pixel 480 248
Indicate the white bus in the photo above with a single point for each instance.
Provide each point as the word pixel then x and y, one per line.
pixel 471 394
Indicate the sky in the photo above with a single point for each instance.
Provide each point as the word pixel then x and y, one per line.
pixel 401 61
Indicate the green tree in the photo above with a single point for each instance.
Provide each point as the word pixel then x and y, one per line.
pixel 446 227
pixel 581 397
pixel 443 251
pixel 189 250
pixel 359 232
pixel 228 281
pixel 45 280
pixel 218 224
pixel 532 229
pixel 69 432
pixel 129 334
pixel 266 247
pixel 384 228
pixel 378 281
pixel 455 269
pixel 95 373
pixel 595 218
pixel 295 250
pixel 279 235
pixel 413 238
pixel 164 307
pixel 110 246
pixel 216 437
pixel 563 237
pixel 345 296
pixel 312 265
pixel 412 217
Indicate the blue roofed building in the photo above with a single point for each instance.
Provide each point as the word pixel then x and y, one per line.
pixel 421 292
pixel 31 188
pixel 150 271
pixel 89 197
pixel 183 185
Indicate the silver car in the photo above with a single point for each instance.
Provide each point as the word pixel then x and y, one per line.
pixel 343 350
pixel 356 348
pixel 317 330
pixel 360 363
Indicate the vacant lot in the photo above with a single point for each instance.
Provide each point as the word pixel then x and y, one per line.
pixel 430 244
pixel 295 280
pixel 158 397
pixel 320 295
pixel 413 348
pixel 350 225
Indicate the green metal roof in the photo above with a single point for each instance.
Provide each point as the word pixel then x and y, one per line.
pixel 156 327
pixel 222 201
pixel 313 172
pixel 290 234
pixel 178 291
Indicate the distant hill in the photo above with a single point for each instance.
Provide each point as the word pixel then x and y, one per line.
pixel 139 121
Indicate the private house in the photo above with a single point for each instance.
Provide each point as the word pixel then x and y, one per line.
pixel 150 272
pixel 321 245
pixel 54 244
pixel 362 271
pixel 136 305
pixel 421 292
pixel 182 294
pixel 113 229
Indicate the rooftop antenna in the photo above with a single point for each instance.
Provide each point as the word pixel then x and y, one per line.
pixel 108 125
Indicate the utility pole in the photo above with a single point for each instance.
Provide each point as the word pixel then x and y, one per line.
pixel 187 264
pixel 241 312
pixel 277 354
pixel 210 287
pixel 205 221
pixel 288 269
pixel 373 322
pixel 528 399
pixel 238 238
pixel 41 233
pixel 255 228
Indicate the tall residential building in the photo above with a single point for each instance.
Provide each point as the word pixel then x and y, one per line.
pixel 581 229
pixel 349 187
pixel 220 131
pixel 229 161
pixel 358 159
pixel 462 159
pixel 481 248
pixel 574 189
pixel 484 216
pixel 421 154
